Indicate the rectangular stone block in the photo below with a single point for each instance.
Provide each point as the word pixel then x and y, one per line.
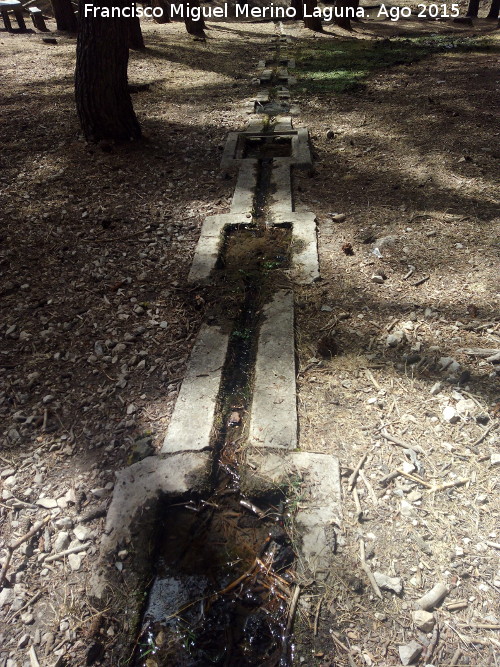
pixel 281 183
pixel 210 244
pixel 192 421
pixel 246 184
pixel 273 417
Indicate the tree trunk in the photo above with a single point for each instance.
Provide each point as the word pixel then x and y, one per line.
pixel 165 7
pixel 299 9
pixel 473 9
pixel 194 27
pixel 64 15
pixel 135 38
pixel 101 89
pixel 494 9
pixel 312 22
pixel 343 21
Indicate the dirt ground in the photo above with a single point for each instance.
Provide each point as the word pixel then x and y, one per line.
pixel 97 324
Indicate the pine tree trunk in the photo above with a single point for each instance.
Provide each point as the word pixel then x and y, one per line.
pixel 473 9
pixel 312 22
pixel 343 21
pixel 165 7
pixel 65 16
pixel 101 89
pixel 299 9
pixel 193 27
pixel 135 38
pixel 494 9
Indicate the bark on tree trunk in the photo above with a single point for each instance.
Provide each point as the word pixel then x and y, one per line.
pixel 473 9
pixel 135 38
pixel 64 15
pixel 312 22
pixel 103 101
pixel 343 21
pixel 165 7
pixel 494 9
pixel 194 27
pixel 299 9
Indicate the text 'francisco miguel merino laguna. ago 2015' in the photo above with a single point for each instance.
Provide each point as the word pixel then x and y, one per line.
pixel 223 11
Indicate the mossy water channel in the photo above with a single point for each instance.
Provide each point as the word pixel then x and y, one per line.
pixel 223 577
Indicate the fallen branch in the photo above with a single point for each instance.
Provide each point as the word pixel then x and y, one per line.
pixel 67 552
pixel 495 545
pixel 366 568
pixel 21 540
pixel 388 478
pixel 414 479
pixel 448 485
pixel 344 648
pixel 401 443
pixel 480 351
pixel 292 609
pixel 421 281
pixel 484 435
pixel 316 615
pixel 359 511
pixel 355 473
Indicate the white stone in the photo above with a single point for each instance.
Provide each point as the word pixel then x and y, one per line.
pixel 81 533
pixel 409 652
pixel 451 415
pixel 389 583
pixel 424 620
pixel 75 561
pixel 48 503
pixel 61 542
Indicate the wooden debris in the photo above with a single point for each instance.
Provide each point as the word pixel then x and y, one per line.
pixel 432 598
pixel 21 540
pixel 448 485
pixel 414 478
pixel 366 568
pixel 67 552
pixel 400 443
pixel 292 609
pixel 354 476
pixel 316 615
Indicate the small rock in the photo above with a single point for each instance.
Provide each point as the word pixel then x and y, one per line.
pixel 409 652
pixel 377 278
pixel 406 508
pixel 23 641
pixel 451 415
pixel 436 388
pixel 131 408
pixel 6 596
pixel 75 561
pixel 424 620
pixel 27 619
pixel 407 467
pixel 48 503
pixel 64 523
pixel 394 339
pixel 326 309
pixel 61 542
pixel 495 459
pixel 465 406
pixel 388 583
pixel 337 217
pixel 81 533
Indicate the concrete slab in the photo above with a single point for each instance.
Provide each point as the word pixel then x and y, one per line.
pixel 246 184
pixel 315 480
pixel 210 244
pixel 265 76
pixel 305 262
pixel 229 150
pixel 273 416
pixel 301 149
pixel 283 124
pixel 192 421
pixel 141 485
pixel 281 183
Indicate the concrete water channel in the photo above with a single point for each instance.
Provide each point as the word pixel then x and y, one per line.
pixel 213 522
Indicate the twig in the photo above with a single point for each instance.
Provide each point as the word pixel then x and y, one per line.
pixel 31 601
pixel 414 478
pixel 388 478
pixel 355 473
pixel 456 657
pixel 448 485
pixel 401 443
pixel 484 435
pixel 421 281
pixel 366 568
pixel 359 511
pixel 369 487
pixel 316 615
pixel 370 376
pixel 429 650
pixel 495 545
pixel 67 552
pixel 21 540
pixel 253 508
pixel 292 609
pixel 344 648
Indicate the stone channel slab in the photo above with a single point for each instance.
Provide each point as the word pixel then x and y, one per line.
pixel 305 262
pixel 281 184
pixel 210 244
pixel 246 185
pixel 192 421
pixel 315 478
pixel 273 416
